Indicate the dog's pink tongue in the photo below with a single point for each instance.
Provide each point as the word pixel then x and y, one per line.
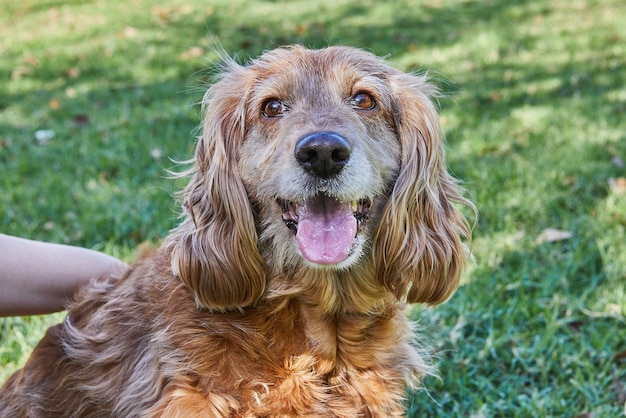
pixel 326 230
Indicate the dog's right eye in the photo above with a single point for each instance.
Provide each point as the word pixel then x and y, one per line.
pixel 273 108
pixel 363 101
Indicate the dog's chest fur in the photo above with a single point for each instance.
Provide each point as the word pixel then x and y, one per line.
pixel 283 358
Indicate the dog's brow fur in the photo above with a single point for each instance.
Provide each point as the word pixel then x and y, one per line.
pixel 228 319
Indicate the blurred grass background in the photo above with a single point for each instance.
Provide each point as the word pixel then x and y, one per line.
pixel 98 97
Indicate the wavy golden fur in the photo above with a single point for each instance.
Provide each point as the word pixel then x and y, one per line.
pixel 319 205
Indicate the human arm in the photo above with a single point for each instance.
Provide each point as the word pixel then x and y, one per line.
pixel 38 277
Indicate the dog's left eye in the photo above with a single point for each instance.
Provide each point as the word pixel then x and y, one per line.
pixel 273 108
pixel 363 101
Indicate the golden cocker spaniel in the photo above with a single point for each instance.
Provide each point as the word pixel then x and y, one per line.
pixel 319 205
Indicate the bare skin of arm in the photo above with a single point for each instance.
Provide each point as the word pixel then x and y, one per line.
pixel 38 277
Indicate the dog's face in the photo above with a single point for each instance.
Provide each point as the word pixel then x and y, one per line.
pixel 326 160
pixel 320 153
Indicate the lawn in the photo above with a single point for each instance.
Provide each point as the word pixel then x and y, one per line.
pixel 98 98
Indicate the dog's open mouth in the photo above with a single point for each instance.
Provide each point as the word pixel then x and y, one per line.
pixel 325 228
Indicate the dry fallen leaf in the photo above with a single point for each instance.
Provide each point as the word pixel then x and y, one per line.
pixel 129 32
pixel 618 185
pixel 192 53
pixel 54 104
pixel 72 72
pixel 43 136
pixel 553 235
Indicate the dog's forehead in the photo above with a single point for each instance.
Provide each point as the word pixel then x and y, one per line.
pixel 309 59
pixel 334 71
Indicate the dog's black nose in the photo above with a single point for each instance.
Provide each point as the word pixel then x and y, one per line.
pixel 323 153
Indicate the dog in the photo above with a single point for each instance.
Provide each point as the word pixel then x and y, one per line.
pixel 319 206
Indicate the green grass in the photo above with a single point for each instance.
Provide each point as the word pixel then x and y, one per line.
pixel 535 115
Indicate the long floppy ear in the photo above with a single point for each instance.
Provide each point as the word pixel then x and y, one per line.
pixel 214 250
pixel 419 244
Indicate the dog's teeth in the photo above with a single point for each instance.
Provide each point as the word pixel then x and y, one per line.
pixel 355 206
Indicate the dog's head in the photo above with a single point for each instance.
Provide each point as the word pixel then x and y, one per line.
pixel 323 159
